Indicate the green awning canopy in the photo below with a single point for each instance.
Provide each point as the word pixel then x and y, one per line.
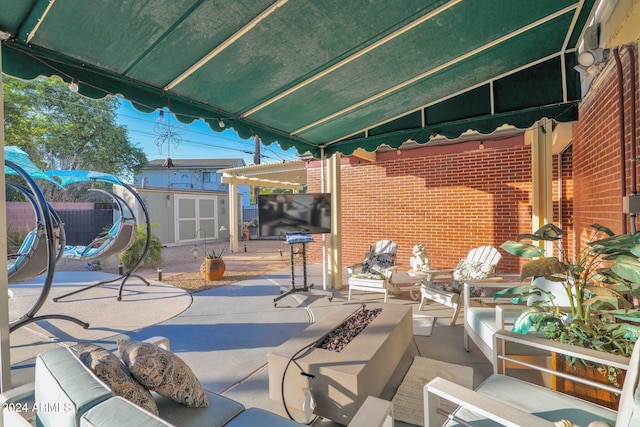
pixel 332 74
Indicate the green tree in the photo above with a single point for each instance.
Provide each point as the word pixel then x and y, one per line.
pixel 60 129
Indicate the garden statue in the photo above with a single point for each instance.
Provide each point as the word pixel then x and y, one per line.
pixel 419 261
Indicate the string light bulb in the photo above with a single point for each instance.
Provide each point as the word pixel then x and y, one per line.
pixel 221 123
pixel 481 147
pixel 75 85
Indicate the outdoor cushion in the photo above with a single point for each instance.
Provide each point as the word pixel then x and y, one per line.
pixel 119 412
pixel 375 264
pixel 163 372
pixel 537 400
pixel 465 270
pixel 218 413
pixel 253 417
pixel 62 382
pixel 108 367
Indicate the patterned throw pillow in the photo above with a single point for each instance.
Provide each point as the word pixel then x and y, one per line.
pixel 374 264
pixel 163 372
pixel 472 270
pixel 115 375
pixel 466 270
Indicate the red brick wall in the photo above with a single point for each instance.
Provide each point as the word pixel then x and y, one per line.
pixel 450 199
pixel 596 152
pixel 566 200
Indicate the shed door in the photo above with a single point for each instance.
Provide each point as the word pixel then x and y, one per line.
pixel 196 218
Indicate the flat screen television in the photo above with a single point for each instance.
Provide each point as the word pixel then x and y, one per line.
pixel 293 213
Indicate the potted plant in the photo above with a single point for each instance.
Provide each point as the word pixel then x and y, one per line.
pixel 595 283
pixel 246 231
pixel 213 266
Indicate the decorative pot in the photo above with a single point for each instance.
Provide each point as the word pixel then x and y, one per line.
pixel 212 268
pixel 585 392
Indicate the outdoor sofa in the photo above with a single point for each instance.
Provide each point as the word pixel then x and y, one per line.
pixel 67 393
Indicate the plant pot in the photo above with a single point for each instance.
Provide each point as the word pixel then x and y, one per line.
pixel 582 391
pixel 212 268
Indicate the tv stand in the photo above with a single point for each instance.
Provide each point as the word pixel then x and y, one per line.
pixel 300 239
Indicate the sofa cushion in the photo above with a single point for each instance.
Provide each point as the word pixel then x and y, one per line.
pixel 259 417
pixel 218 413
pixel 540 401
pixel 119 412
pixel 163 372
pixel 63 383
pixel 108 367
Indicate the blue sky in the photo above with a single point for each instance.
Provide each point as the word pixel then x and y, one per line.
pixel 197 139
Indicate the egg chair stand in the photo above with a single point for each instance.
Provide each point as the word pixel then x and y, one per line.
pixel 44 217
pixel 122 241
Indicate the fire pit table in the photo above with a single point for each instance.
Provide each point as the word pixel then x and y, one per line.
pixel 341 381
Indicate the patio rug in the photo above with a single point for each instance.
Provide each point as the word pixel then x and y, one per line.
pixel 423 324
pixel 408 401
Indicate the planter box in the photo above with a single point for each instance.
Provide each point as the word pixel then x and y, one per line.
pixel 343 380
pixel 585 392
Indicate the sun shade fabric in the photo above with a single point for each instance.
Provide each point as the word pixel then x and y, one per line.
pixel 19 157
pixel 330 75
pixel 68 177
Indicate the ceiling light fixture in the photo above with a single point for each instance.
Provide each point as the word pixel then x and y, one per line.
pixel 74 86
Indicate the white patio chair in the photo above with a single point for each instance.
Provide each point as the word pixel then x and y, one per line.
pixel 445 285
pixel 481 321
pixel 503 400
pixel 376 271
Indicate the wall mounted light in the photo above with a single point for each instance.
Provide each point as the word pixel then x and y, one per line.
pixel 75 85
pixel 591 57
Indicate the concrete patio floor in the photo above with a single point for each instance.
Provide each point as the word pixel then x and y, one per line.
pixel 226 333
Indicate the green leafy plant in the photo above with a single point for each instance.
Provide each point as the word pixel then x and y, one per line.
pixel 153 257
pixel 14 239
pixel 213 254
pixel 603 271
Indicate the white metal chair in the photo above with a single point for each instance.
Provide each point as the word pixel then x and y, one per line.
pixel 376 271
pixel 481 321
pixel 445 285
pixel 503 400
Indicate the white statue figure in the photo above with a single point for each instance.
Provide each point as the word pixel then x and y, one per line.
pixel 419 261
